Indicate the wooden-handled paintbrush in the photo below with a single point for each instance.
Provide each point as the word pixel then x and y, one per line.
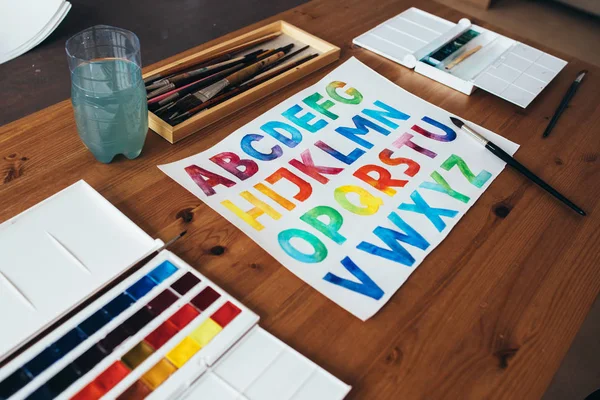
pixel 168 103
pixel 164 85
pixel 257 80
pixel 218 57
pixel 236 78
pixel 178 93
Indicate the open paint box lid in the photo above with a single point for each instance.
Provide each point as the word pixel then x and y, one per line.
pixel 502 66
pixel 59 253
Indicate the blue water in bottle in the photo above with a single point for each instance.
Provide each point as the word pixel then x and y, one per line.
pixel 111 112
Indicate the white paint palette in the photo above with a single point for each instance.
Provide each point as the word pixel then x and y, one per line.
pixel 166 331
pixel 504 67
pixel 262 367
pixel 75 255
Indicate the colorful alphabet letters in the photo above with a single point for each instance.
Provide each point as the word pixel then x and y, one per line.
pixel 349 183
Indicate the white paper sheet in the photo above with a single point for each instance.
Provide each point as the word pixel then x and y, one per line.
pixel 26 23
pixel 329 227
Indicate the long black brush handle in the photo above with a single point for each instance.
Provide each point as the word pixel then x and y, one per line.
pixel 564 102
pixel 507 158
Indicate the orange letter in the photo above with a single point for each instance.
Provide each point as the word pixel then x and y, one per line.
pixel 382 182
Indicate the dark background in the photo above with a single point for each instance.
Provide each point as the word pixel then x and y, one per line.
pixel 40 78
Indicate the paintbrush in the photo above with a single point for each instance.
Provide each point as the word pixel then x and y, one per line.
pixel 218 57
pixel 159 111
pixel 255 56
pixel 163 96
pixel 175 81
pixel 180 79
pixel 564 102
pixel 195 85
pixel 463 57
pixel 234 79
pixel 507 158
pixel 167 103
pixel 268 53
pixel 257 80
pixel 282 60
pixel 174 95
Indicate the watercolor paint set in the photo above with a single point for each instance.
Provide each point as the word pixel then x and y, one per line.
pixel 463 56
pixel 165 331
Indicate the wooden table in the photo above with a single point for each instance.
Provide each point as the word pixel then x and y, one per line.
pixel 489 314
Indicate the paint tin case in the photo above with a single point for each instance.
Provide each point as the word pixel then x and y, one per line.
pixel 164 331
pixel 504 67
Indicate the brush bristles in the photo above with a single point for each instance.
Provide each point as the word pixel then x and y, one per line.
pixel 457 122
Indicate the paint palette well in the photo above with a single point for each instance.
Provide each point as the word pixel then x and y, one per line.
pixel 261 367
pixel 152 336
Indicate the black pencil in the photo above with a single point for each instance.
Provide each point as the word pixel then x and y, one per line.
pixel 564 102
pixel 507 158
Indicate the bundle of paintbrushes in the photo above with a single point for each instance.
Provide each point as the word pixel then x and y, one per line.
pixel 187 89
pixel 177 117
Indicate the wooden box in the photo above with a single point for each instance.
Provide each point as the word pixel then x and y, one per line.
pixel 328 53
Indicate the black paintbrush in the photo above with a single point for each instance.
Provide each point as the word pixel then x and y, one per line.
pixel 564 102
pixel 507 158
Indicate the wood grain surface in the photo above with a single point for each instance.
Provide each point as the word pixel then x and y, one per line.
pixel 490 312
